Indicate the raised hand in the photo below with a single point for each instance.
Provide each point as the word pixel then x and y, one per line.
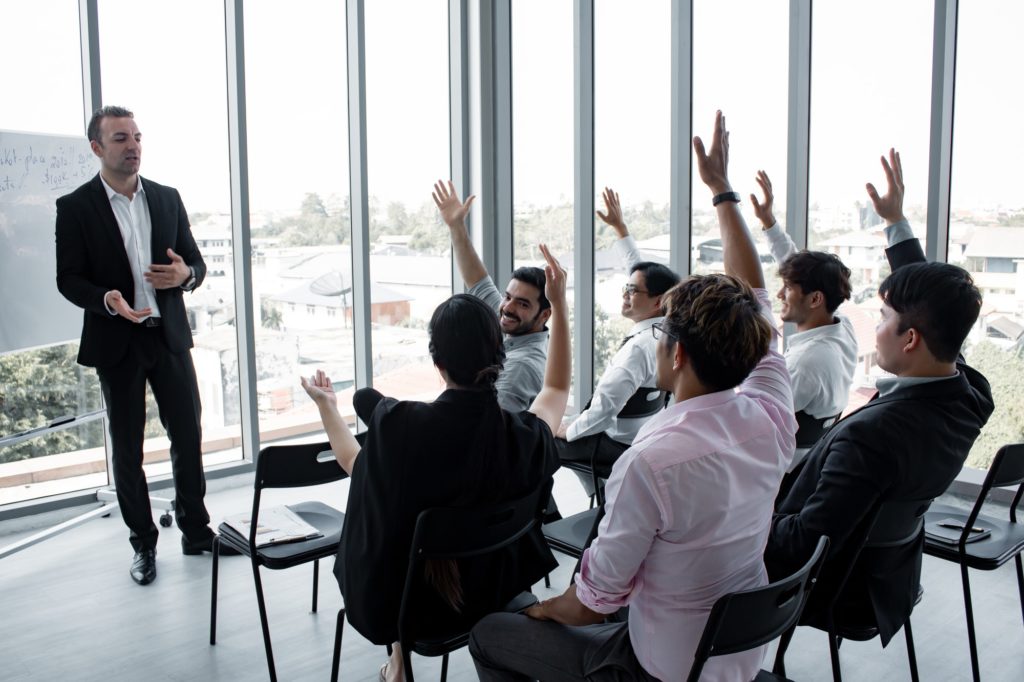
pixel 115 301
pixel 453 212
pixel 764 211
pixel 713 165
pixel 320 389
pixel 889 206
pixel 613 217
pixel 168 276
pixel 554 278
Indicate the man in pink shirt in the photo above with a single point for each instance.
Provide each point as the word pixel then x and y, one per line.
pixel 690 503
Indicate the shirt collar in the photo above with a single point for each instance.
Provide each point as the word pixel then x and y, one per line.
pixel 797 338
pixel 644 325
pixel 888 385
pixel 520 340
pixel 111 192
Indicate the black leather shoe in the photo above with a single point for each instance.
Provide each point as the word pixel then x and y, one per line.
pixel 143 570
pixel 193 548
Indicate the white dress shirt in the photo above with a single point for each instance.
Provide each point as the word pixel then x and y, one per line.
pixel 136 231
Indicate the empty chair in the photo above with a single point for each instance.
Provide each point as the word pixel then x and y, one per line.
pixel 285 466
pixel 744 620
pixel 951 535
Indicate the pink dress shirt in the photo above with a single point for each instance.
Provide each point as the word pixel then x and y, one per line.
pixel 687 515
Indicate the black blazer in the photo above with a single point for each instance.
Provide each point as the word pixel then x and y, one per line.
pixel 91 260
pixel 907 445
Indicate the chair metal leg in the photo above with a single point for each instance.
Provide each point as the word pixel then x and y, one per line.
pixel 407 661
pixel 969 608
pixel 339 630
pixel 213 591
pixel 779 668
pixel 263 621
pixel 547 580
pixel 908 633
pixel 833 651
pixel 1020 583
pixel 444 668
pixel 316 581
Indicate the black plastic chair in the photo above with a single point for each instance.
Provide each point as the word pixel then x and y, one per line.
pixel 457 533
pixel 1005 540
pixel 285 466
pixel 887 525
pixel 744 620
pixel 810 430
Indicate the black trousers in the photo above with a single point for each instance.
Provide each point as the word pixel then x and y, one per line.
pixel 172 378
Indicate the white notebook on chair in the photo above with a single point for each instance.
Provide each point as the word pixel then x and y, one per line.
pixel 276 525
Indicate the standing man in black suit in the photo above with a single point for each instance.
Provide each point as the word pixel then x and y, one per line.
pixel 125 255
pixel 908 443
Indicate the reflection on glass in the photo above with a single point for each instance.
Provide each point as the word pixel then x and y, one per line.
pixel 755 107
pixel 986 231
pixel 185 145
pixel 408 149
pixel 855 118
pixel 632 109
pixel 301 234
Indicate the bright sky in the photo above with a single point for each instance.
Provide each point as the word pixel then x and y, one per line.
pixel 871 66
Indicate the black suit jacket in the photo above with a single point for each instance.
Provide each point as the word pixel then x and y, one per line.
pixel 91 260
pixel 907 445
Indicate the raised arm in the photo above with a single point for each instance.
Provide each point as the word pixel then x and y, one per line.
pixel 343 443
pixel 779 242
pixel 738 250
pixel 453 213
pixel 549 405
pixel 612 217
pixel 903 247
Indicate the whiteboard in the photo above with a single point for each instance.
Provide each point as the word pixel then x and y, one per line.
pixel 36 169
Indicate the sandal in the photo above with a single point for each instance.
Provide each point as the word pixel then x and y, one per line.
pixel 384 672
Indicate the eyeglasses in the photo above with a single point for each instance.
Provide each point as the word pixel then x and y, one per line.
pixel 632 290
pixel 658 331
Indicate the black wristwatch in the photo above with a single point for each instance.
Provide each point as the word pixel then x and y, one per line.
pixel 190 283
pixel 725 196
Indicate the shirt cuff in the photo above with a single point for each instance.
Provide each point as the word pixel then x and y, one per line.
pixel 591 598
pixel 113 313
pixel 898 232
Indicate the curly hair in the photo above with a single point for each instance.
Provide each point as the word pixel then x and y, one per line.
pixel 718 320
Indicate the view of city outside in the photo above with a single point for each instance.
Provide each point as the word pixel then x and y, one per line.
pixel 299 180
pixel 856 116
pixel 542 135
pixel 632 125
pixel 407 129
pixel 301 233
pixel 986 231
pixel 41 385
pixel 742 70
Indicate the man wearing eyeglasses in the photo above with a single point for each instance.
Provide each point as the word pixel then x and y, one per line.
pixel 599 430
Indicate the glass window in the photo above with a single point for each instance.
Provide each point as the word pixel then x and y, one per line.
pixel 407 150
pixel 301 230
pixel 986 231
pixel 180 107
pixel 43 68
pixel 856 116
pixel 753 95
pixel 632 112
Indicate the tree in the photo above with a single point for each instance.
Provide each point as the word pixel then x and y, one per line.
pixel 1005 373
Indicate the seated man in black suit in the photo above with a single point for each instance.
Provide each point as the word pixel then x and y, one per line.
pixel 908 443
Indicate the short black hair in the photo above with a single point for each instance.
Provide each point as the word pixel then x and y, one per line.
pixel 939 300
pixel 657 277
pixel 535 277
pixel 718 320
pixel 818 271
pixel 93 130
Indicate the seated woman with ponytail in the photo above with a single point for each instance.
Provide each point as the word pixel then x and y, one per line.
pixel 461 449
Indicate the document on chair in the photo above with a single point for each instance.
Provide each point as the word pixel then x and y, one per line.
pixel 276 525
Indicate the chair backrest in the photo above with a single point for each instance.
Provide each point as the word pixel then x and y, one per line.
pixel 643 403
pixel 464 532
pixel 743 620
pixel 1007 469
pixel 811 429
pixel 294 466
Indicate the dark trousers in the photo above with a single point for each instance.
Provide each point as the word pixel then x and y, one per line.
pixel 599 448
pixel 172 378
pixel 514 647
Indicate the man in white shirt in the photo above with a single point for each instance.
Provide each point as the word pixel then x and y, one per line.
pixel 822 354
pixel 599 431
pixel 523 310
